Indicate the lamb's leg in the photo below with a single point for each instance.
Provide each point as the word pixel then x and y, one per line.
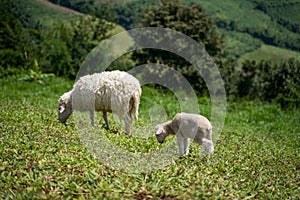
pixel 186 145
pixel 106 120
pixel 92 116
pixel 180 145
pixel 208 146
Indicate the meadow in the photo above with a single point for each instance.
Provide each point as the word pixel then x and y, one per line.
pixel 256 157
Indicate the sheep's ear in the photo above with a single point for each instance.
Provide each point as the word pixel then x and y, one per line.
pixel 159 131
pixel 61 108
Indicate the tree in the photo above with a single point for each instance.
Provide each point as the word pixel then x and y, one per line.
pixel 270 82
pixel 65 46
pixel 189 20
pixel 13 33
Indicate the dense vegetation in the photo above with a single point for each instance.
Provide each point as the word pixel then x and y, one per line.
pixel 258 153
pixel 271 22
pixel 277 10
pixel 58 49
pixel 189 20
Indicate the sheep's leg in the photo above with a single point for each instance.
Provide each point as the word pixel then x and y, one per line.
pixel 180 143
pixel 186 145
pixel 92 116
pixel 128 124
pixel 208 146
pixel 106 120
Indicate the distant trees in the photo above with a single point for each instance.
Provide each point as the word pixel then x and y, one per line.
pixel 12 35
pixel 286 29
pixel 189 20
pixel 65 46
pixel 59 49
pixel 269 82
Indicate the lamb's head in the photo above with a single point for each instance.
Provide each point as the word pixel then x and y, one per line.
pixel 160 133
pixel 65 107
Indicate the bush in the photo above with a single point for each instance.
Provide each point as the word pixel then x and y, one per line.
pixel 266 81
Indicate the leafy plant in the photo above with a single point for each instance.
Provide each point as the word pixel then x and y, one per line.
pixel 269 81
pixel 36 75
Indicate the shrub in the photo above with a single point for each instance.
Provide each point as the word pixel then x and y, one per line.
pixel 266 81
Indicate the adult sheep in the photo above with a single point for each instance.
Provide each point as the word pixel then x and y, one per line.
pixel 186 126
pixel 117 92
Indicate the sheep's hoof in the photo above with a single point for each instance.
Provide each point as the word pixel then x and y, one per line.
pixel 128 135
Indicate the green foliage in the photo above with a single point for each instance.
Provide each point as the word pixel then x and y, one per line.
pixel 47 17
pixel 269 81
pixel 271 54
pixel 238 43
pixel 243 22
pixel 35 74
pixel 58 49
pixel 56 58
pixel 12 47
pixel 285 13
pixel 65 46
pixel 246 17
pixel 129 13
pixel 257 155
pixel 189 20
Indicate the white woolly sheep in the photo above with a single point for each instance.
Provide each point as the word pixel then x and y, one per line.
pixel 117 92
pixel 187 126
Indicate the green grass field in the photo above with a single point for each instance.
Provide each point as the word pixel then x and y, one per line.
pixel 244 17
pixel 48 16
pixel 256 157
pixel 271 53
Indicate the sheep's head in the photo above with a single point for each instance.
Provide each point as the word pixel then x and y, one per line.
pixel 64 107
pixel 160 133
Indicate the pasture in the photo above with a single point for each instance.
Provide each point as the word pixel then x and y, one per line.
pixel 257 155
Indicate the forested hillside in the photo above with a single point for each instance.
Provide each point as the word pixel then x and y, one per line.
pixel 246 24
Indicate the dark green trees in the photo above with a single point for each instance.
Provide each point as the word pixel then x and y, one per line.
pixel 189 20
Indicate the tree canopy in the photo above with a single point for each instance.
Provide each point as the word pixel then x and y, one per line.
pixel 190 20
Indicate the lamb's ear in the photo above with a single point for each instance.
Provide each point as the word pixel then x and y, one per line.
pixel 62 108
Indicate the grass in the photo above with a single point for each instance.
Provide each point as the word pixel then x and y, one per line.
pixel 274 54
pixel 257 155
pixel 245 18
pixel 48 16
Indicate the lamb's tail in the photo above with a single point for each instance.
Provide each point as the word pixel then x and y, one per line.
pixel 134 104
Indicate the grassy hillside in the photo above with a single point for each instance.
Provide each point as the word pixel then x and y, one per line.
pixel 246 24
pixel 257 155
pixel 274 54
pixel 48 16
pixel 246 27
pixel 285 13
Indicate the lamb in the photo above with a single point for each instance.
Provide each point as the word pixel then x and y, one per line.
pixel 116 91
pixel 187 126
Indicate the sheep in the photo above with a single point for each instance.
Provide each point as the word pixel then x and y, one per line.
pixel 187 126
pixel 116 91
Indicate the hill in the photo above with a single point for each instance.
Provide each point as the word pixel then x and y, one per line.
pixel 46 13
pixel 247 25
pixel 58 7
